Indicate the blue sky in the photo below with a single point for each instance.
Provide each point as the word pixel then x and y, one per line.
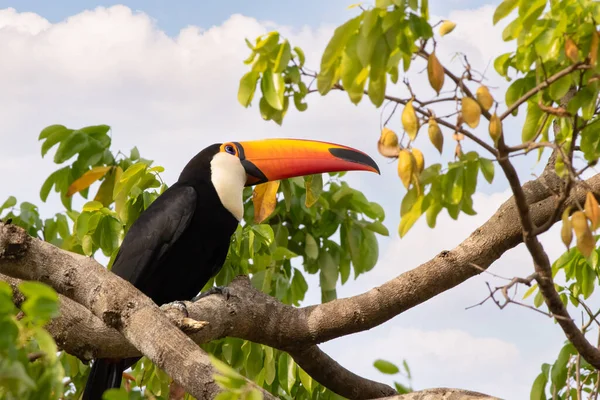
pixel 173 97
pixel 173 15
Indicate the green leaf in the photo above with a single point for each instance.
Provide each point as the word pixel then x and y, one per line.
pixel 72 145
pixel 49 130
pixel 487 169
pixel 558 372
pixel 378 227
pixel 311 248
pixel 588 279
pixel 272 87
pixel 6 299
pixel 386 367
pixel 338 41
pixel 129 177
pixel 56 134
pixel 106 235
pixel 247 88
pixel 314 188
pixel 41 301
pixel 306 380
pixel 369 251
pixel 532 122
pixel 539 385
pixel 377 75
pixel 269 365
pixel 558 89
pixel 409 219
pixel 283 57
pixel 329 272
pixel 504 9
pixel 10 202
pixel 301 57
pixel 501 64
pixel 286 372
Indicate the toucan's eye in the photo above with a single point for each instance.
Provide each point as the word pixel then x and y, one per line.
pixel 229 149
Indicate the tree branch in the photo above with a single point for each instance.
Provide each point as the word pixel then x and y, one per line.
pixel 116 302
pixel 282 326
pixel 543 85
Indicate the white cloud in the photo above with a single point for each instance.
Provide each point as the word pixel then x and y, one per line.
pixel 172 96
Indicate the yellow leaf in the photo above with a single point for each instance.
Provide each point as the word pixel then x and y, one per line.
pixel 471 112
pixel 566 232
pixel 410 122
pixel 484 97
pixel 406 167
pixel 105 191
pixel 388 143
pixel 264 198
pixel 446 27
pixel 585 239
pixel 435 135
pixel 592 212
pixel 85 180
pixel 495 128
pixel 571 50
pixel 435 72
pixel 419 160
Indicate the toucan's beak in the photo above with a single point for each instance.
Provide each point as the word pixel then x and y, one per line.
pixel 274 159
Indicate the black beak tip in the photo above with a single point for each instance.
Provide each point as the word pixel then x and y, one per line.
pixel 355 157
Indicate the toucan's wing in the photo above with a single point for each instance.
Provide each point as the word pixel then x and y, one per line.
pixel 154 233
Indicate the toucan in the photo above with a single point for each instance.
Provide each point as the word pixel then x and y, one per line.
pixel 181 240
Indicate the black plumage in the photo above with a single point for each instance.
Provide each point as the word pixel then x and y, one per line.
pixel 171 251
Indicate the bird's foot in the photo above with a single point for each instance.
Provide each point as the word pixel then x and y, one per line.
pixel 222 290
pixel 180 305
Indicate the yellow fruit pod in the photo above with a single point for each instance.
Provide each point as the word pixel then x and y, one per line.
pixel 435 73
pixel 566 231
pixel 592 211
pixel 419 161
pixel 388 143
pixel 585 239
pixel 447 27
pixel 571 50
pixel 484 97
pixel 410 122
pixel 406 167
pixel 471 112
pixel 435 135
pixel 495 128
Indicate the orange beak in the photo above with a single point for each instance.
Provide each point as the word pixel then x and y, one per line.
pixel 275 159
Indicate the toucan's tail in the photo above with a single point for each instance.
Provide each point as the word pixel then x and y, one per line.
pixel 105 374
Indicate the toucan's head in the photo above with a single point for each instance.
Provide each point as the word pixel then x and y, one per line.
pixel 274 159
pixel 234 165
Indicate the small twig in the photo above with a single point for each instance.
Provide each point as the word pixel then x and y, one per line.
pixel 543 85
pixel 36 355
pixel 578 376
pixel 488 272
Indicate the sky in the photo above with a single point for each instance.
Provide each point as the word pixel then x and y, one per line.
pixel 164 76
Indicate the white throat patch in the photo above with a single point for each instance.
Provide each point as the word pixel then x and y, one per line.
pixel 229 177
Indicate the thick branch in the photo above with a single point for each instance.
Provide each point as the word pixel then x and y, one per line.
pixel 113 300
pixel 282 325
pixel 442 394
